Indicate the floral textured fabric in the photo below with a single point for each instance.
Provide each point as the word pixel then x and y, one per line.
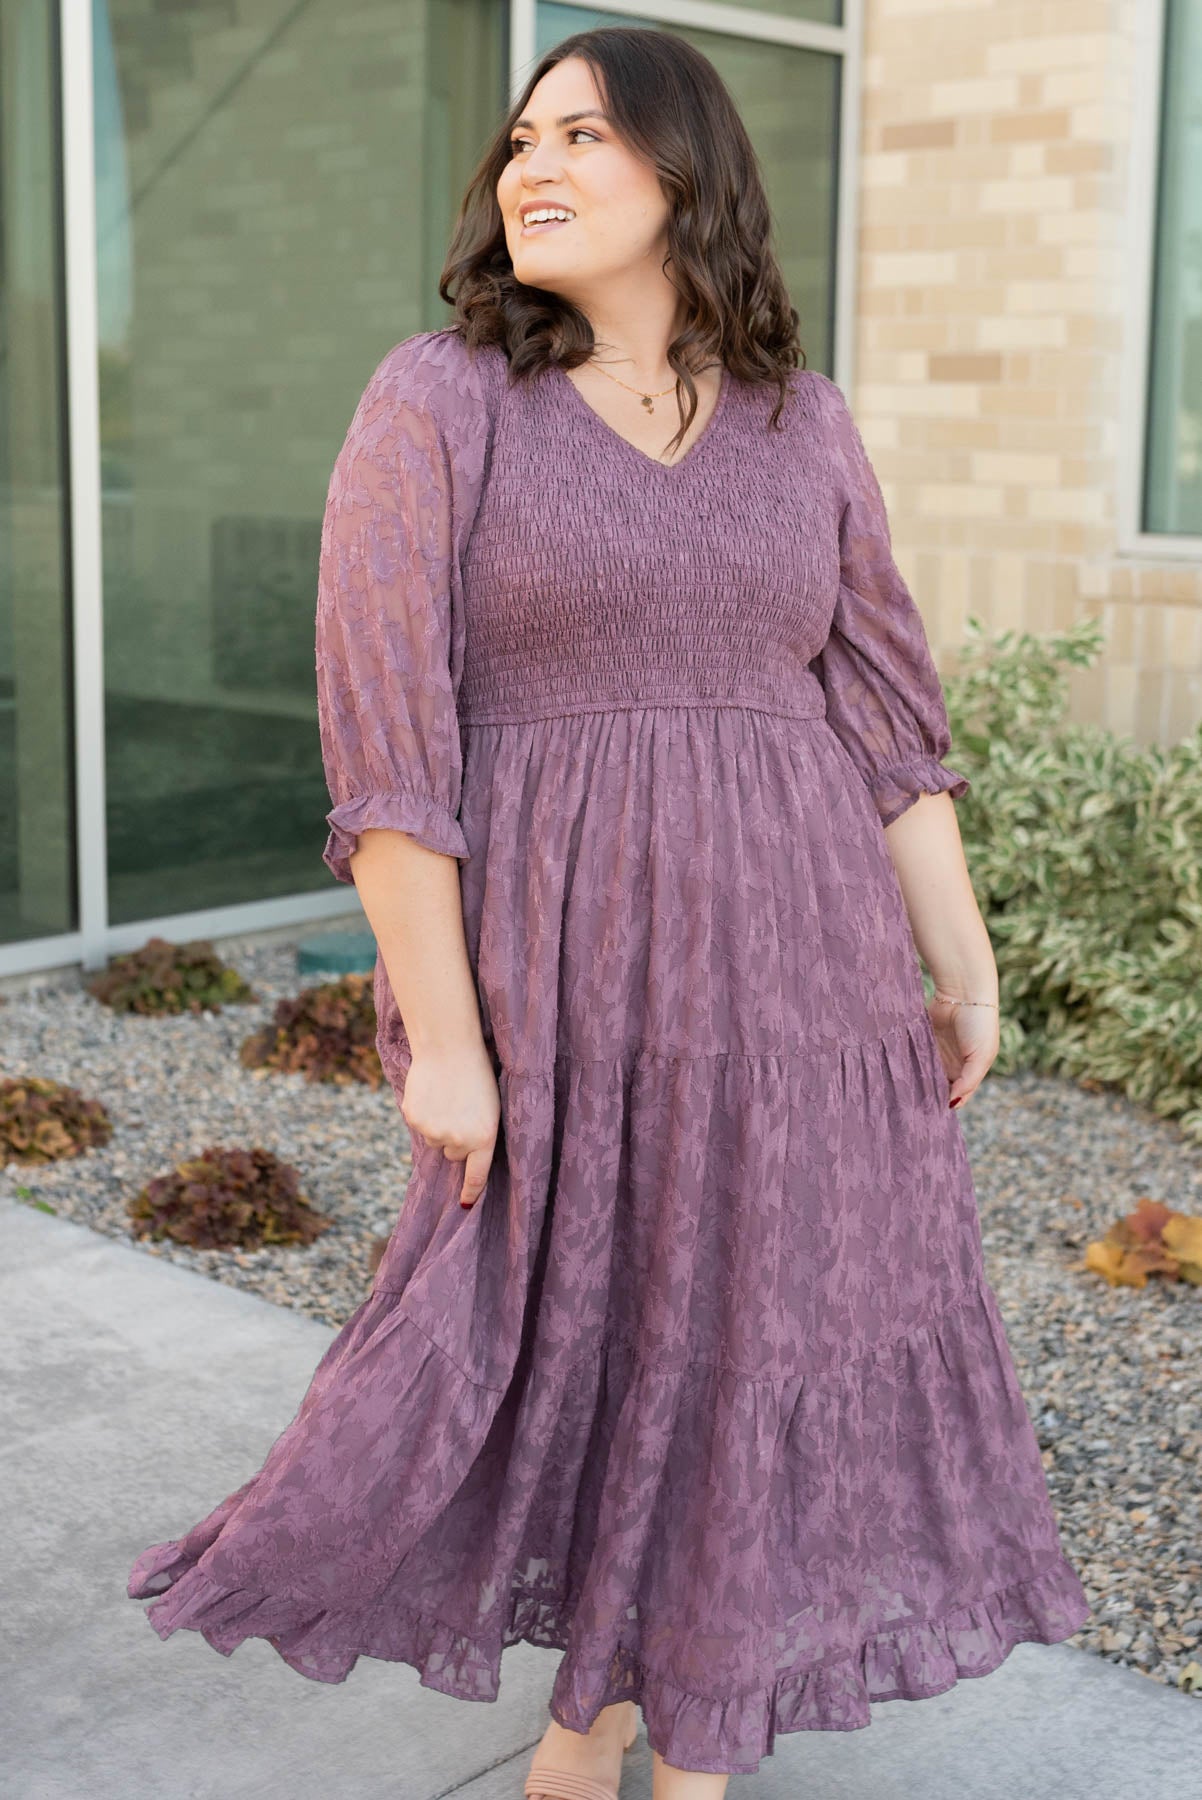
pixel 709 1389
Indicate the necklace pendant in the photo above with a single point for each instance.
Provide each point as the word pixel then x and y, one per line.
pixel 649 403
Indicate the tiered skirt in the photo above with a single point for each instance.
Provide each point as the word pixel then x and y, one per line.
pixel 709 1390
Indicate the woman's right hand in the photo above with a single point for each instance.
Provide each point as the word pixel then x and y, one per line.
pixel 451 1099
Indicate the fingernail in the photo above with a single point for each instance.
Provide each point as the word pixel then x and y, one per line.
pixel 958 1101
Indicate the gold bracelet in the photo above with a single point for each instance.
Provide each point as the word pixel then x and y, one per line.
pixel 956 1000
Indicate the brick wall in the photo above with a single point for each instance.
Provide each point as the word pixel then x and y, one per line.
pixel 992 341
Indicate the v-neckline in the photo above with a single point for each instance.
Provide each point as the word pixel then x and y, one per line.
pixel 643 456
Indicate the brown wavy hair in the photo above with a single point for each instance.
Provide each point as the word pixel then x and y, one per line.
pixel 672 107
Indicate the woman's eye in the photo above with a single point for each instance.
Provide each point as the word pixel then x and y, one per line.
pixel 518 143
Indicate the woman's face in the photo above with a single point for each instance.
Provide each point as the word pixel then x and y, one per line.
pixel 619 211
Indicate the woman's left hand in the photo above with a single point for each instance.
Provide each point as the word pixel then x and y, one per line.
pixel 968 1039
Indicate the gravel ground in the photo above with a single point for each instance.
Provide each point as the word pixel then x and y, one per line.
pixel 1107 1373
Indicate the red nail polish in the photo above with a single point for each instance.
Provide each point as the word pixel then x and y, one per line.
pixel 958 1101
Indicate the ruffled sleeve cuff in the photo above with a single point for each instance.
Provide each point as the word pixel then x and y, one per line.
pixel 900 785
pixel 420 816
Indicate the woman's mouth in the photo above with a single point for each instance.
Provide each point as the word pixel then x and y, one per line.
pixel 531 227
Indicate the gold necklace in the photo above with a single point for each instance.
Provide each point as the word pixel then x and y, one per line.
pixel 647 399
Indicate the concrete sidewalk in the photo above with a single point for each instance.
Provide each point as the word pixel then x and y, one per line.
pixel 137 1394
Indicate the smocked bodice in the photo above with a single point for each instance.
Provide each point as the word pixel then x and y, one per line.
pixel 493 554
pixel 595 577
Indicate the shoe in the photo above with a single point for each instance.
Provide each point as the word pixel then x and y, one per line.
pixel 561 1784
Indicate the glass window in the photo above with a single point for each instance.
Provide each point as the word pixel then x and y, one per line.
pixel 1173 478
pixel 275 196
pixel 37 805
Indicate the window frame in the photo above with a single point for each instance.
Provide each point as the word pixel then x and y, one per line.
pixel 1134 542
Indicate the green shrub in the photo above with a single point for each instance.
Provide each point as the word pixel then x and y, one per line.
pixel 227 1198
pixel 43 1121
pixel 326 1033
pixel 163 977
pixel 1086 857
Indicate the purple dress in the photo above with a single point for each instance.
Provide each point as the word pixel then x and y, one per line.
pixel 709 1389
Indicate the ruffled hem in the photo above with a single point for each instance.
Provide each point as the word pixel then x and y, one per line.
pixel 899 786
pixel 907 1661
pixel 418 815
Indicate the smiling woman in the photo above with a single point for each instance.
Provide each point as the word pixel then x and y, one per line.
pixel 587 215
pixel 706 1385
pixel 564 173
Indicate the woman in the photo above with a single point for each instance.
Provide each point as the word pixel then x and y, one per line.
pixel 634 741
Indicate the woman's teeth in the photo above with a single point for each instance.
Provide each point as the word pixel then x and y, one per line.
pixel 544 220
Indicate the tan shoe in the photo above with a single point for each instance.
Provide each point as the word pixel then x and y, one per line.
pixel 562 1784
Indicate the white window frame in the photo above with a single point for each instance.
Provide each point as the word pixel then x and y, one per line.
pixel 1134 543
pixel 97 938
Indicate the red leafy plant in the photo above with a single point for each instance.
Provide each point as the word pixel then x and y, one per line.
pixel 226 1198
pixel 163 977
pixel 325 1033
pixel 43 1121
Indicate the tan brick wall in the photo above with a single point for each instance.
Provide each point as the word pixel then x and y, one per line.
pixel 992 343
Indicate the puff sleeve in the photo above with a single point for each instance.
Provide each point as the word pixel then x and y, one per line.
pixel 389 637
pixel 884 700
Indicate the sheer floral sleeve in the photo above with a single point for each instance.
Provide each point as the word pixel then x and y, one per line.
pixel 389 649
pixel 883 695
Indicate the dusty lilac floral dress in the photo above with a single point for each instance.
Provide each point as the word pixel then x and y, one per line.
pixel 709 1389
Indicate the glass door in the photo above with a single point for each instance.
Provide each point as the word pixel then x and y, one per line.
pixel 37 801
pixel 273 201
